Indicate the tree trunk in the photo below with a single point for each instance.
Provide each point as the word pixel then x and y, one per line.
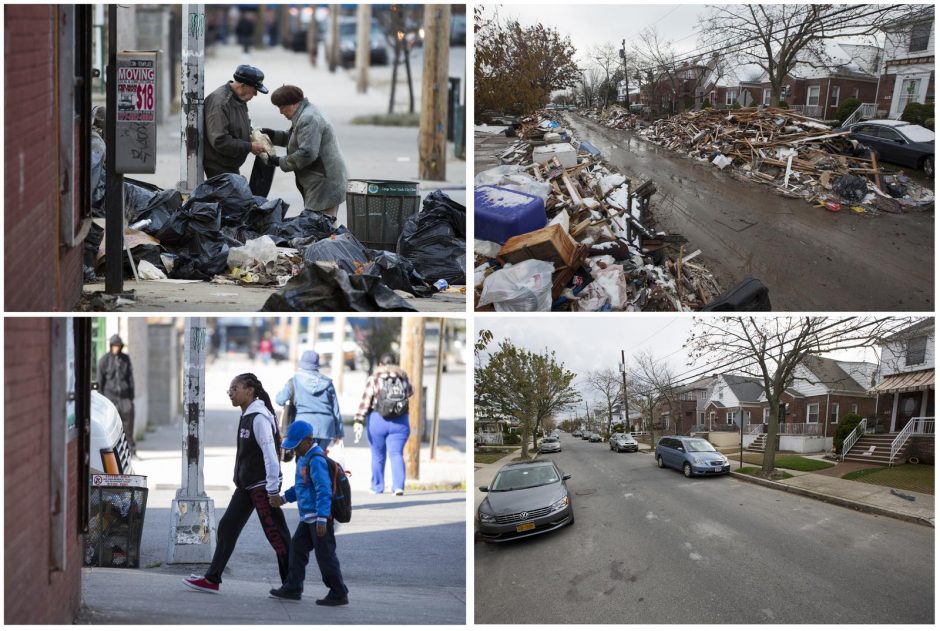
pixel 412 361
pixel 391 99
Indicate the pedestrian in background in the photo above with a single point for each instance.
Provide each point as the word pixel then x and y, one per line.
pixel 313 492
pixel 384 408
pixel 315 401
pixel 257 479
pixel 312 151
pixel 116 382
pixel 227 127
pixel 245 32
pixel 265 347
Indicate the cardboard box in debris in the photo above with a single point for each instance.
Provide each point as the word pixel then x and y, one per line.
pixel 798 156
pixel 557 229
pixel 223 233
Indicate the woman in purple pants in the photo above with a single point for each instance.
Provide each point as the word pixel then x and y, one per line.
pixel 384 407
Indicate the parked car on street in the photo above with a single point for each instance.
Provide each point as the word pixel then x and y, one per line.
pixel 378 51
pixel 692 456
pixel 897 142
pixel 576 433
pixel 550 445
pixel 524 499
pixel 623 442
pixel 586 435
pixel 595 438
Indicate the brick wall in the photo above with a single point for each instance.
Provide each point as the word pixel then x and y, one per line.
pixel 923 448
pixel 33 594
pixel 40 276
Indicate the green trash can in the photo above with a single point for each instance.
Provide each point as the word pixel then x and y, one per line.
pixel 376 210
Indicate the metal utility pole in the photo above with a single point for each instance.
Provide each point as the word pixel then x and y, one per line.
pixel 363 46
pixel 432 134
pixel 436 423
pixel 332 53
pixel 192 96
pixel 192 521
pixel 626 78
pixel 114 194
pixel 412 361
pixel 626 405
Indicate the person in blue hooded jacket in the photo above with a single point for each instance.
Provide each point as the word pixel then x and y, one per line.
pixel 313 492
pixel 315 401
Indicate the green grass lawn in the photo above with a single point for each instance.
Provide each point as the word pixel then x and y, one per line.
pixel 909 477
pixel 490 457
pixel 784 461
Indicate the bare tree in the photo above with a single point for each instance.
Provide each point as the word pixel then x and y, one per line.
pixel 607 383
pixel 651 383
pixel 606 58
pixel 590 83
pixel 779 37
pixel 662 66
pixel 771 349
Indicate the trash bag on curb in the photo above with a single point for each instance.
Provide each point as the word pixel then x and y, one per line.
pixel 327 287
pixel 526 286
pixel 137 196
pixel 194 218
pixel 307 226
pixel 161 207
pixel 434 239
pixel 850 187
pixel 399 273
pixel 345 250
pixel 231 192
pixel 261 250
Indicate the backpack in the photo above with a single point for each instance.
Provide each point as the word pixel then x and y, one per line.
pixel 341 507
pixel 392 400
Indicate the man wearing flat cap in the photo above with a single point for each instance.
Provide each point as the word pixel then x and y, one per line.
pixel 227 128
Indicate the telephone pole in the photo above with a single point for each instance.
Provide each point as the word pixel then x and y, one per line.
pixel 363 46
pixel 192 96
pixel 432 136
pixel 626 407
pixel 332 54
pixel 412 361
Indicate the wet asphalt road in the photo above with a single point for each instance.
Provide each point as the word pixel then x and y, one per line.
pixel 810 259
pixel 650 546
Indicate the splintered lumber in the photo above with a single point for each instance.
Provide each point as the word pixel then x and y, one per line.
pixel 550 243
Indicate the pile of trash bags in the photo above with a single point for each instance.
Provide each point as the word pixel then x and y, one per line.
pixel 222 229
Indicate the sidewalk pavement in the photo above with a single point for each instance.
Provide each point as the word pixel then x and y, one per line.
pixel 403 558
pixel 868 498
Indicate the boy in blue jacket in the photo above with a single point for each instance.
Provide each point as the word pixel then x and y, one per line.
pixel 313 492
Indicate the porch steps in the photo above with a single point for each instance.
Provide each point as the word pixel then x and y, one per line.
pixel 758 445
pixel 875 449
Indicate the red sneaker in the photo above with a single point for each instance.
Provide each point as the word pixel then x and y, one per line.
pixel 200 584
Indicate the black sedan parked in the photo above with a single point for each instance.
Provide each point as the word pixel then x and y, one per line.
pixel 897 142
pixel 524 499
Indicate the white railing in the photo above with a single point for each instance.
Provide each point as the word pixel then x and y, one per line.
pixel 852 438
pixel 922 425
pixel 810 111
pixel 755 429
pixel 801 429
pixel 865 110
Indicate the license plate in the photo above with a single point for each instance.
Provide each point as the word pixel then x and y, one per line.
pixel 526 526
pixel 718 469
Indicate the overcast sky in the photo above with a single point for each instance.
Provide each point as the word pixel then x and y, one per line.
pixel 591 342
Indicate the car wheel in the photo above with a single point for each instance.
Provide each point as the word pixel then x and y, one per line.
pixel 659 461
pixel 571 523
pixel 927 165
pixel 687 470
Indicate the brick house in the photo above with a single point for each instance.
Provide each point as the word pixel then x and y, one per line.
pixel 906 386
pixel 47 410
pixel 822 392
pixel 908 72
pixel 47 129
pixel 686 413
pixel 827 76
pixel 682 89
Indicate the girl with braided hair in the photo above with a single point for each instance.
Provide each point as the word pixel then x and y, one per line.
pixel 257 480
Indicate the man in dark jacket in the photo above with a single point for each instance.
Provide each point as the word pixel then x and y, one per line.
pixel 116 382
pixel 227 128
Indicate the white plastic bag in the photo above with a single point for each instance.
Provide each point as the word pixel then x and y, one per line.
pixel 148 271
pixel 526 286
pixel 263 250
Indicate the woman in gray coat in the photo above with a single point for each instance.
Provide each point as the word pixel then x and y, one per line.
pixel 312 151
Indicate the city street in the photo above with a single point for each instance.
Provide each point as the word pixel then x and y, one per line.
pixel 403 558
pixel 652 547
pixel 808 258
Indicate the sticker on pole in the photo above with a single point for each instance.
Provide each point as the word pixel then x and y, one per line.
pixel 136 86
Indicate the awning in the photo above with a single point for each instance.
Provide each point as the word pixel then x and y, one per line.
pixel 906 382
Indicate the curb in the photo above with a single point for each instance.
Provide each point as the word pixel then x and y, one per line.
pixel 831 499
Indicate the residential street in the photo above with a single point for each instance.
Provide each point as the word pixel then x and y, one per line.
pixel 651 547
pixel 810 259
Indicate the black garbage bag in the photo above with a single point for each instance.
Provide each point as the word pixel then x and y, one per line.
pixel 201 259
pixel 161 208
pixel 231 192
pixel 92 243
pixel 398 273
pixel 149 252
pixel 852 188
pixel 326 287
pixel 306 228
pixel 265 213
pixel 192 219
pixel 137 195
pixel 434 239
pixel 262 176
pixel 345 250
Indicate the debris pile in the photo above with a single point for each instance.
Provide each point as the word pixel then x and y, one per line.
pixel 224 234
pixel 799 156
pixel 557 229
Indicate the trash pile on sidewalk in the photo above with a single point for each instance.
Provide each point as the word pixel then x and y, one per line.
pixel 799 157
pixel 225 234
pixel 557 229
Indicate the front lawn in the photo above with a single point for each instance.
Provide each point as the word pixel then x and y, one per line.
pixel 489 457
pixel 909 477
pixel 784 461
pixel 756 472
